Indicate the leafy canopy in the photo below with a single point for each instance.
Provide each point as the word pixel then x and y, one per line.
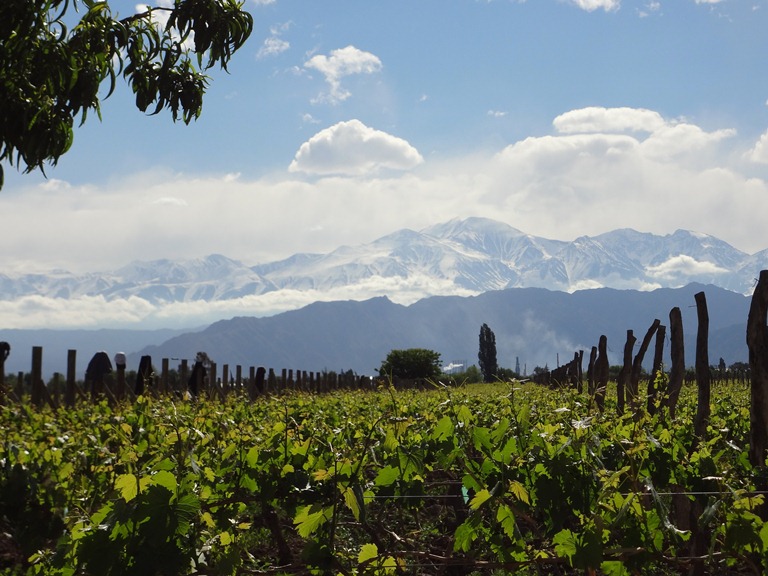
pixel 411 363
pixel 57 54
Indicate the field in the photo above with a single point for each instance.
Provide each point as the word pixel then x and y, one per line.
pixel 484 479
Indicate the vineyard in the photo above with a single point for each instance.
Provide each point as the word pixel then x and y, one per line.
pixel 484 479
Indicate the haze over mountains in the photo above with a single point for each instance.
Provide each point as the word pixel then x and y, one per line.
pixel 536 326
pixel 459 257
pixel 525 276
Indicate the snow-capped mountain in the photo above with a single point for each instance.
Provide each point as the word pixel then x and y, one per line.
pixel 462 257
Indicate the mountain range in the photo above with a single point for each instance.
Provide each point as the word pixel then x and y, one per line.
pixel 432 288
pixel 534 326
pixel 459 257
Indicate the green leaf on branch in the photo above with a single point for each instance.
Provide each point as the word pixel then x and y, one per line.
pixel 128 486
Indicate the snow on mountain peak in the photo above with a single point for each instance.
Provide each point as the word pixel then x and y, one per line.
pixel 461 256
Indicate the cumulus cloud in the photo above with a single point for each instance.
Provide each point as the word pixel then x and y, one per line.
pixel 595 172
pixel 598 119
pixel 683 266
pixel 592 5
pixel 759 153
pixel 665 138
pixel 339 64
pixel 274 44
pixel 353 148
pixel 675 139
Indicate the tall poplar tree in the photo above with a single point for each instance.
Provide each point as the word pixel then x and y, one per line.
pixel 487 354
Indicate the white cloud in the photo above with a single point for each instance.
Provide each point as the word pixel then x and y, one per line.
pixel 652 7
pixel 592 5
pixel 683 266
pixel 340 63
pixel 32 312
pixel 759 153
pixel 560 185
pixel 598 119
pixel 354 148
pixel 687 139
pixel 272 46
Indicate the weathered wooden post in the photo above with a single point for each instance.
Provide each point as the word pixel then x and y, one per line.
pixel 757 341
pixel 272 381
pixel 37 376
pixel 120 368
pixel 224 381
pixel 591 372
pixel 5 350
pixel 184 375
pixel 56 383
pixel 259 384
pixel 165 375
pixel 637 364
pixel 626 371
pixel 20 386
pixel 252 383
pixel 213 386
pixel 239 378
pixel 580 381
pixel 702 368
pixel 677 356
pixel 656 369
pixel 602 369
pixel 69 393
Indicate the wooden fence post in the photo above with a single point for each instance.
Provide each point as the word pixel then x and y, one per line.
pixel 626 371
pixel 702 369
pixel 20 386
pixel 69 393
pixel 213 385
pixel 580 382
pixel 5 350
pixel 56 384
pixel 637 364
pixel 677 355
pixel 164 375
pixel 260 383
pixel 120 388
pixel 656 369
pixel 184 384
pixel 591 372
pixel 602 369
pixel 272 381
pixel 36 375
pixel 757 341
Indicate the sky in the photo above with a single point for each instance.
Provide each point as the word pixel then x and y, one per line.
pixel 341 121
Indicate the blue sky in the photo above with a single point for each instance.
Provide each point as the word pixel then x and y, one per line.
pixel 344 120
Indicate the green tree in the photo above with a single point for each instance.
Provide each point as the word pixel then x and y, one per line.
pixel 411 363
pixel 55 55
pixel 487 354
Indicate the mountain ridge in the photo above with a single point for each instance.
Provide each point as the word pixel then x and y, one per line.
pixel 459 257
pixel 535 325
